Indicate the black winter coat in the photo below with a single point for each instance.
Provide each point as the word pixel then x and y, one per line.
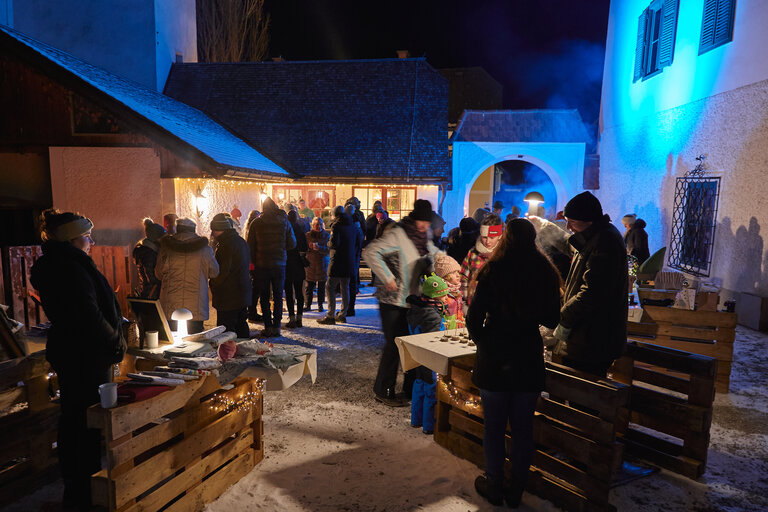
pixel 371 223
pixel 509 347
pixel 636 240
pixel 231 289
pixel 145 259
pixel 294 266
pixel 270 237
pixel 595 300
pixel 346 241
pixel 85 316
pixel 464 243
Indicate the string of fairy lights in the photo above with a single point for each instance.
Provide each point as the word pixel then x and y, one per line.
pixel 460 397
pixel 224 403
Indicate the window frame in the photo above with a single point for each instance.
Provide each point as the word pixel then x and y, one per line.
pixel 384 194
pixel 655 43
pixel 717 12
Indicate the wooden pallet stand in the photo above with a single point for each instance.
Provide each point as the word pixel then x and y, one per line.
pixel 175 451
pixel 709 333
pixel 577 453
pixel 27 433
pixel 670 406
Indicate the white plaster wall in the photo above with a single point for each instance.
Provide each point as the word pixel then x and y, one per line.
pixel 175 32
pixel 691 76
pixel 222 196
pixel 563 163
pixel 639 161
pixel 115 187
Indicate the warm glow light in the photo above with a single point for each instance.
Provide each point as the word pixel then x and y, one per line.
pixel 263 196
pixel 181 316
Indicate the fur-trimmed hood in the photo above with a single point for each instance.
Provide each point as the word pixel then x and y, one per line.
pixel 184 242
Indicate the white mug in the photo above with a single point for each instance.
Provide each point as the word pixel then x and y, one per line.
pixel 108 395
pixel 150 339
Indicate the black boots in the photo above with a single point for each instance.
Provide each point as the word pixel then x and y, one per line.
pixel 492 491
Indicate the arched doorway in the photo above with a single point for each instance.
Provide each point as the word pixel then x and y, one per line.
pixel 509 181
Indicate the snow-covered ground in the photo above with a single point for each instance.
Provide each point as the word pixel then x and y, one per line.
pixel 330 446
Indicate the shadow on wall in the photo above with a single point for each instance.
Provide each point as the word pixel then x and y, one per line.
pixel 741 255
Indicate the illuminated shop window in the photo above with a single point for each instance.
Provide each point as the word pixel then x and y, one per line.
pixel 716 24
pixel 656 30
pixel 397 201
pixel 320 200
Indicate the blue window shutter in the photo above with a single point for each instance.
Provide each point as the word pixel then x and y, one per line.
pixel 668 32
pixel 640 48
pixel 708 25
pixel 724 24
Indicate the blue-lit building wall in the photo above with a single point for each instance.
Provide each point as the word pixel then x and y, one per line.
pixel 716 104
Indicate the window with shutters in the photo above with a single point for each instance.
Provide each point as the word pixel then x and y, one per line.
pixel 656 30
pixel 716 24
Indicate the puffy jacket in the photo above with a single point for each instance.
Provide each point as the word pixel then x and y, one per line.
pixel 636 241
pixel 231 289
pixel 145 259
pixel 595 300
pixel 270 237
pixel 346 240
pixel 294 264
pixel 84 313
pixel 318 258
pixel 394 256
pixel 184 265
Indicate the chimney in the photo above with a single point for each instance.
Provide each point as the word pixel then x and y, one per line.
pixel 403 54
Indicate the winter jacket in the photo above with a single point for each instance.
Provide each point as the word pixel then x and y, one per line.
pixel 294 263
pixel 394 256
pixel 595 300
pixel 636 240
pixel 84 313
pixel 145 259
pixel 270 237
pixel 231 289
pixel 425 314
pixel 184 265
pixel 371 223
pixel 509 346
pixel 469 269
pixel 463 245
pixel 346 240
pixel 319 258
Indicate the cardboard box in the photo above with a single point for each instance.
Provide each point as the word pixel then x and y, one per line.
pixel 707 301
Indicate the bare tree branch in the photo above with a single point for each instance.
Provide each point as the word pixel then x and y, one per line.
pixel 231 30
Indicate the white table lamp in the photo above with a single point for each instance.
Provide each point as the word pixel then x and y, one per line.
pixel 181 316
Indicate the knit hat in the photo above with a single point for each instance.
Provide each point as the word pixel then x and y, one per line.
pixel 437 221
pixel 222 222
pixel 468 225
pixel 445 265
pixel 629 218
pixel 422 210
pixel 185 225
pixel 152 230
pixel 585 207
pixel 434 287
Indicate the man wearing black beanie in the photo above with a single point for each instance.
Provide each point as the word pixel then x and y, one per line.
pixel 593 320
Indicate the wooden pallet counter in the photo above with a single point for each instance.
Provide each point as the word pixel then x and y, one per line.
pixel 670 406
pixel 180 449
pixel 708 333
pixel 28 427
pixel 575 432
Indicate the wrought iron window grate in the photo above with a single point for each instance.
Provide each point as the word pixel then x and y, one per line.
pixel 694 219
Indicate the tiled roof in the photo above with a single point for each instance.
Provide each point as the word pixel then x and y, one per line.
pixel 370 119
pixel 182 121
pixel 521 126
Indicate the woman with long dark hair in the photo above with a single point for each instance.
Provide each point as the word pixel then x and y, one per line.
pixel 84 340
pixel 518 289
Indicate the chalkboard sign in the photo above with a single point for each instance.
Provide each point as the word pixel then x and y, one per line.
pixel 149 314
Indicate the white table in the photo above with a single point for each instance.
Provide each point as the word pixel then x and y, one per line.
pixel 427 350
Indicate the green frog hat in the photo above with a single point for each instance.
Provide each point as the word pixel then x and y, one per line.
pixel 434 287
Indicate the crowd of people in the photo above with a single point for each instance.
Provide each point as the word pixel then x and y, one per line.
pixel 502 279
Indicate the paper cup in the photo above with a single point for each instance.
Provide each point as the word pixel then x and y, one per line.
pixel 150 339
pixel 108 395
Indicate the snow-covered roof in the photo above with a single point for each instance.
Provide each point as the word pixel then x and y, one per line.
pixel 186 123
pixel 544 125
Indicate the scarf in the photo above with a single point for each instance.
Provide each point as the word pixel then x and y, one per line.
pixel 454 289
pixel 418 238
pixel 483 250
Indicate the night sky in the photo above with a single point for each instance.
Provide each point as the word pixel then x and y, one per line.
pixel 546 53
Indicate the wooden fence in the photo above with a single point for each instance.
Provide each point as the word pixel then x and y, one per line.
pixel 112 261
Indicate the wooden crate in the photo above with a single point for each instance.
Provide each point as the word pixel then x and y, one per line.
pixel 671 395
pixel 28 427
pixel 577 453
pixel 174 451
pixel 709 333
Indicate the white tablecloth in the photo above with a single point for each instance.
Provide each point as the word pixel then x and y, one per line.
pixel 428 350
pixel 278 379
